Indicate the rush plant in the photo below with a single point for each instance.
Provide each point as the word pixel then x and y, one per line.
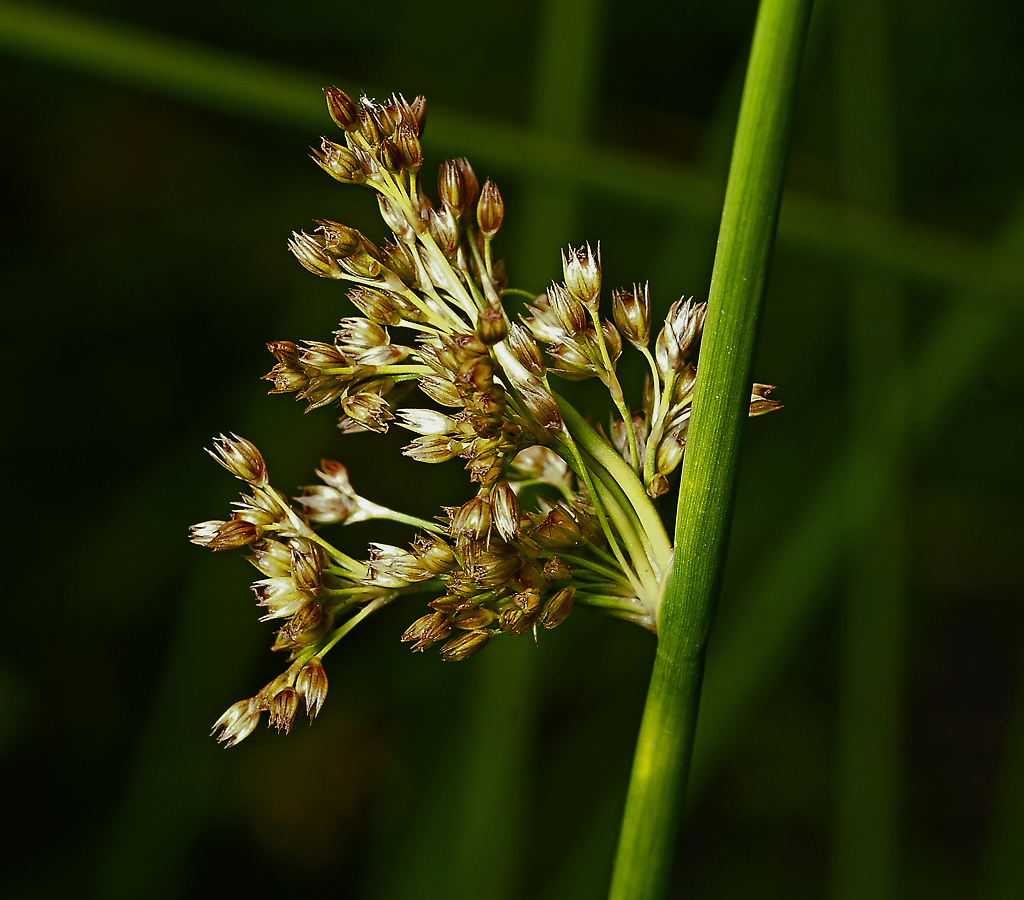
pixel 564 510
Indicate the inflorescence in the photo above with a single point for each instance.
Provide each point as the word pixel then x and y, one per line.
pixel 492 566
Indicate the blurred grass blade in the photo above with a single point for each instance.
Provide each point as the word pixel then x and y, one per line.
pixel 220 80
pixel 869 726
pixel 658 782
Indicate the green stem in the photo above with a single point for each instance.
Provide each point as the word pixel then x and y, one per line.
pixel 608 458
pixel 665 744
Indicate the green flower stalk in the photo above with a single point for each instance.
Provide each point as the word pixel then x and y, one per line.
pixel 469 384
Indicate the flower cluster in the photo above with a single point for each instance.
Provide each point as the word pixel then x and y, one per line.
pixel 501 562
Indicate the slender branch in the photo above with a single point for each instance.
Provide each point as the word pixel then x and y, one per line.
pixel 747 232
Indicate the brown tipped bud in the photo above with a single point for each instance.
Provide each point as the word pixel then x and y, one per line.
pixel 237 722
pixel 527 601
pixel 567 310
pixel 241 459
pixel 670 450
pixel 680 334
pixel 225 535
pixel 490 211
pixel 389 155
pixel 362 264
pixel 557 609
pixel 418 108
pixel 445 229
pixel 472 520
pixel 475 619
pixel 408 143
pixel 492 326
pixel 759 402
pixel 557 569
pixel 311 686
pixel 505 510
pixel 435 555
pixel 432 448
pixel 470 185
pixel 632 313
pixel 465 645
pixel 283 707
pixel 395 219
pixel 583 275
pixel 369 124
pixel 310 252
pixel 371 411
pixel 525 350
pixel 515 621
pixel 339 162
pixel 339 240
pixel 341 108
pixel 542 406
pixel 451 185
pixel 559 531
pixel 427 631
pixel 306 571
pixel 377 307
pixel 658 485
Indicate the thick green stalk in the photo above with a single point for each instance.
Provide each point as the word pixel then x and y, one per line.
pixel 746 235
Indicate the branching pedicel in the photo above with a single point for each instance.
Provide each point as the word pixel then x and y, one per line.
pixel 490 566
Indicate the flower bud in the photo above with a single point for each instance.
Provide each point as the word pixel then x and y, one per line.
pixel 339 162
pixel 583 275
pixel 567 310
pixel 426 421
pixel 375 305
pixel 472 521
pixel 435 555
pixel 557 609
pixel 515 621
pixel 490 211
pixel 524 348
pixel 759 402
pixel 492 326
pixel 445 229
pixel 408 144
pixel 283 707
pixel 451 185
pixel 241 459
pixel 474 619
pixel 389 155
pixel 432 449
pixel 657 486
pixel 237 723
pixel 310 252
pixel 311 686
pixel 632 313
pixel 339 240
pixel 341 108
pixel 557 569
pixel 418 108
pixel 229 535
pixel 369 124
pixel 505 510
pixel 465 645
pixel 368 410
pixel 559 531
pixel 306 571
pixel 427 631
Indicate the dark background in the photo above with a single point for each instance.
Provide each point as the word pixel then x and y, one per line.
pixel 862 732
